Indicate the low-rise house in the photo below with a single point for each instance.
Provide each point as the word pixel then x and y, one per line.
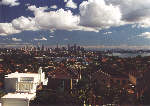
pixel 140 81
pixel 112 77
pixel 63 79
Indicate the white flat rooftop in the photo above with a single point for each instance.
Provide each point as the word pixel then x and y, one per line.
pixel 20 96
pixel 17 75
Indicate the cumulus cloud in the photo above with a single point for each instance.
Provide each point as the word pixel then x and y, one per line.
pixel 145 35
pixel 16 40
pixel 144 23
pixel 10 2
pixel 17 25
pixel 54 7
pixel 23 23
pixel 60 19
pixel 42 39
pixel 7 29
pixel 134 11
pixel 37 10
pixel 71 4
pixel 96 13
pixel 44 20
pixel 65 0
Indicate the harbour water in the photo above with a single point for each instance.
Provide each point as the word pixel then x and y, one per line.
pixel 126 55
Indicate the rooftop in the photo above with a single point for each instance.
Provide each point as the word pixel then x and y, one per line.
pixel 17 75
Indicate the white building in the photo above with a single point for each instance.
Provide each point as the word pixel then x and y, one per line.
pixel 21 87
pixel 17 99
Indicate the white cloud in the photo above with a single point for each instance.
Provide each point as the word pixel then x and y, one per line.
pixel 51 36
pixel 10 2
pixel 65 0
pixel 52 31
pixel 134 26
pixel 145 23
pixel 107 33
pixel 134 11
pixel 7 29
pixel 28 4
pixel 97 14
pixel 60 19
pixel 94 15
pixel 23 23
pixel 37 10
pixel 16 40
pixel 71 4
pixel 53 7
pixel 43 20
pixel 42 39
pixel 145 35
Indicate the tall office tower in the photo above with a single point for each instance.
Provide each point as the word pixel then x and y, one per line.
pixel 42 48
pixel 57 46
pixel 38 47
pixel 68 47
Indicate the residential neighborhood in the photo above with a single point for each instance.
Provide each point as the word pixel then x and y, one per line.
pixel 78 76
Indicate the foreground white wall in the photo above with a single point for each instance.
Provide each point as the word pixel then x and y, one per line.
pixel 15 102
pixel 10 84
pixel 17 99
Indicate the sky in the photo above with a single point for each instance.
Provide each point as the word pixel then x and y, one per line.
pixel 92 23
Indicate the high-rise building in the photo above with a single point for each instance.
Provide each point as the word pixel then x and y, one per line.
pixel 68 47
pixel 42 48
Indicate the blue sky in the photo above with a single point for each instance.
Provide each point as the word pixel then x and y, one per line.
pixel 90 22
